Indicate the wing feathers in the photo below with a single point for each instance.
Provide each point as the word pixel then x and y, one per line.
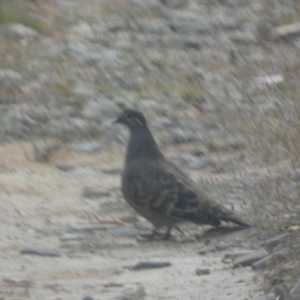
pixel 170 193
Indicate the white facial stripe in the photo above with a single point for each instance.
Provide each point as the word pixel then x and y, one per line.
pixel 138 121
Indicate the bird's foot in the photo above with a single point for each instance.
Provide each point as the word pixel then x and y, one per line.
pixel 157 236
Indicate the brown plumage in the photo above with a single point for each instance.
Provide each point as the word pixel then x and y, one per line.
pixel 158 190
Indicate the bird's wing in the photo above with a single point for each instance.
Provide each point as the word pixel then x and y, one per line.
pixel 163 189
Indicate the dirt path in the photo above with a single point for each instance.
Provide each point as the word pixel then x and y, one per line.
pixel 43 208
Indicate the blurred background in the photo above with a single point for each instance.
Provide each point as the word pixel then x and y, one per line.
pixel 219 82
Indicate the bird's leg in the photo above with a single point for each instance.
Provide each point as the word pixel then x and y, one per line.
pixel 168 233
pixel 157 236
pixel 153 235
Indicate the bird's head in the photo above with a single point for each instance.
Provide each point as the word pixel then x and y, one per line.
pixel 132 119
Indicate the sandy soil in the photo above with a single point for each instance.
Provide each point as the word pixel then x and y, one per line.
pixel 43 208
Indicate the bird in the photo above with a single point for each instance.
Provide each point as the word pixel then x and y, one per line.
pixel 158 189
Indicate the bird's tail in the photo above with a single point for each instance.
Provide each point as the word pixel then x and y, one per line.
pixel 207 212
pixel 221 213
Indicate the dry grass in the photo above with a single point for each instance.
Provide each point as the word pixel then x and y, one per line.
pixel 274 140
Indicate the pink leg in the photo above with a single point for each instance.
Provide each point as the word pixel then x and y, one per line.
pixel 153 235
pixel 156 236
pixel 168 233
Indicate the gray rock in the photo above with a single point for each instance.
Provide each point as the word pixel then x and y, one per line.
pixel 145 41
pixel 40 252
pixel 264 31
pixel 287 30
pixel 88 298
pixel 66 167
pixel 184 135
pixel 164 122
pixel 110 244
pixel 28 121
pixel 99 110
pixel 117 25
pixel 105 58
pixel 251 258
pixel 226 261
pixel 203 252
pixel 82 30
pixel 87 147
pixel 174 3
pixel 234 256
pixel 145 4
pixel 112 171
pixel 82 127
pixel 94 192
pixel 113 284
pixel 19 31
pixel 154 27
pixel 137 293
pixel 191 43
pixel 200 102
pixel 13 127
pixel 195 162
pixel 221 246
pixel 200 272
pixel 59 127
pixel 294 293
pixel 270 259
pixel 43 152
pixel 245 37
pixel 269 296
pixel 10 78
pixel 151 265
pixel 122 81
pixel 295 175
pixel 224 144
pixel 31 88
pixel 225 22
pixel 183 15
pixel 70 237
pixel 145 104
pixel 290 187
pixel 181 42
pixel 251 182
pixel 39 113
pixel 272 242
pixel 84 90
pixel 189 27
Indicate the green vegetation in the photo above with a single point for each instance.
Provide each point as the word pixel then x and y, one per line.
pixel 16 11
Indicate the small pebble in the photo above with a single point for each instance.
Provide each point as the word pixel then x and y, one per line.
pixel 226 261
pixel 113 284
pixel 221 246
pixel 94 192
pixel 62 166
pixel 150 265
pixel 200 272
pixel 40 252
pixel 87 147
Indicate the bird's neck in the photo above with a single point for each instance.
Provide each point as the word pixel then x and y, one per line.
pixel 142 145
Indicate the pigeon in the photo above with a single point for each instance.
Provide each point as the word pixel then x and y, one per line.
pixel 159 190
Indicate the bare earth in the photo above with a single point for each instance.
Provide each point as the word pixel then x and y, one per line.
pixel 43 208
